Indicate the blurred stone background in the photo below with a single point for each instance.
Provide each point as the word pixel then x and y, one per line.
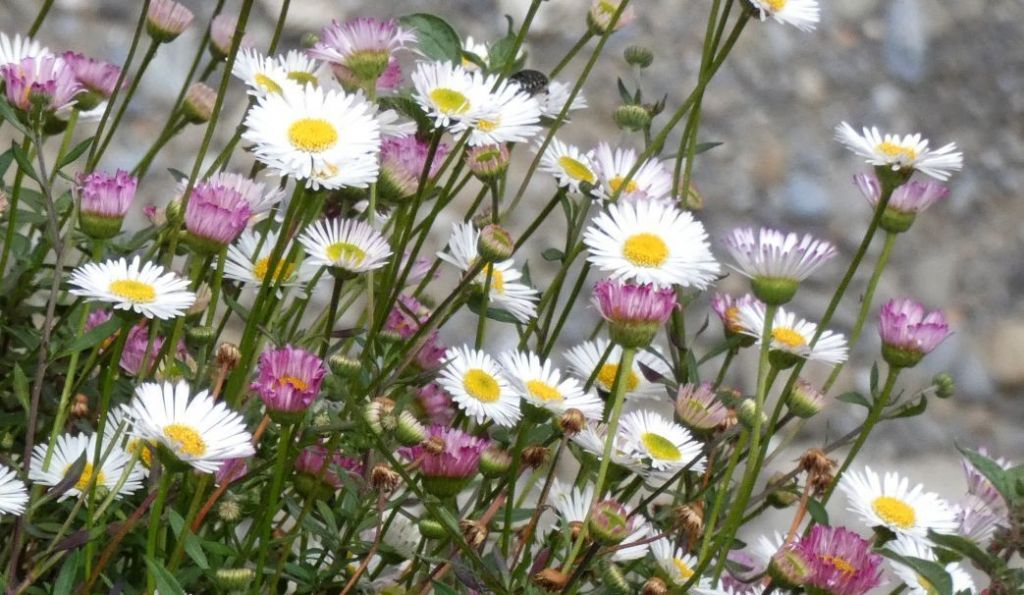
pixel 953 70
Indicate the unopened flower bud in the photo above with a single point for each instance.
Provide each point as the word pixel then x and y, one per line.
pixel 200 335
pixel 379 414
pixel 632 117
pixel 229 509
pixel 945 386
pixel 788 569
pixel 199 103
pixel 782 491
pixel 805 400
pixel 309 39
pixel 432 529
pixel 384 479
pixel 534 456
pixel 495 244
pixel 494 461
pixel 609 522
pixel 166 20
pixel 615 581
pixel 409 431
pixel 654 586
pixel 551 579
pixel 344 366
pixel 80 406
pixel 228 356
pixel 321 421
pixel 390 337
pixel 638 55
pixel 572 422
pixel 234 579
pixel 746 411
pixel 487 162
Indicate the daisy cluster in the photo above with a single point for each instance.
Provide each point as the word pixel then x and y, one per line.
pixel 353 353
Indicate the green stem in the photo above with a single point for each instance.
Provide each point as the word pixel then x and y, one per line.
pixel 132 87
pixel 154 525
pixel 40 17
pixel 266 521
pixel 332 315
pixel 575 49
pixel 723 490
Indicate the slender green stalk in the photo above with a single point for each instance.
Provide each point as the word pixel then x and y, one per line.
pixel 267 518
pixel 40 17
pixel 723 490
pixel 331 314
pixel 154 525
pixel 147 58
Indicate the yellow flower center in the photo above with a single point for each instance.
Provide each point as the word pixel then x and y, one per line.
pixel 497 279
pixel 294 382
pixel 926 585
pixel 487 125
pixel 607 377
pixel 684 569
pixel 267 83
pixel 660 448
pixel 303 77
pixel 839 564
pixel 449 101
pixel 616 183
pixel 136 445
pixel 645 250
pixel 576 169
pixel 776 5
pixel 543 391
pixel 894 511
pixel 895 151
pixel 732 320
pixel 481 386
pixel 312 135
pixel 86 477
pixel 344 251
pixel 186 439
pixel 133 291
pixel 283 270
pixel 788 337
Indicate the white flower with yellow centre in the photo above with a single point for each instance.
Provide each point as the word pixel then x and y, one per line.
pixel 506 292
pixel 302 70
pixel 917 584
pixel 262 75
pixel 649 242
pixel 674 562
pixel 652 181
pixel 570 166
pixel 890 502
pixel 328 138
pixel 541 384
pixel 793 335
pixel 507 115
pixel 198 430
pixel 658 443
pixel 248 261
pixel 907 152
pixel 592 439
pixel 586 360
pixel 116 468
pixel 118 430
pixel 553 102
pixel 478 50
pixel 346 244
pixel 146 289
pixel 13 495
pixel 802 14
pixel 448 92
pixel 476 383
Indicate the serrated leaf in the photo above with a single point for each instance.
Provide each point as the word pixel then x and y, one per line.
pixel 854 398
pixel 553 255
pixel 165 581
pixel 74 153
pixel 817 512
pixel 435 38
pixel 93 337
pixel 930 572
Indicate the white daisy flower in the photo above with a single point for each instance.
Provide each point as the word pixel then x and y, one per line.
pixel 263 75
pixel 648 242
pixel 636 544
pixel 917 584
pixel 892 503
pixel 507 116
pixel 553 102
pixel 802 14
pixel 909 151
pixel 346 244
pixel 659 443
pixel 120 429
pixel 476 383
pixel 15 49
pixel 198 430
pixel 392 125
pixel 543 385
pixel 13 495
pixel 592 439
pixel 299 68
pixel 585 358
pixel 476 49
pixel 652 181
pixel 248 261
pixel 772 254
pixel 506 292
pixel 328 138
pixel 674 562
pixel 449 93
pixel 570 502
pixel 69 449
pixel 570 166
pixel 792 335
pixel 145 289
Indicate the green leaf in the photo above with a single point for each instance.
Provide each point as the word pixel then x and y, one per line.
pixel 874 380
pixel 987 562
pixel 68 571
pixel 434 37
pixel 704 147
pixel 500 55
pixel 553 255
pixel 7 113
pixel 442 589
pixel 408 107
pixel 195 550
pixel 993 472
pixel 928 571
pixel 74 154
pixel 165 581
pixel 854 398
pixel 5 161
pixel 910 410
pixel 93 337
pixel 817 512
pixel 21 387
pixel 24 163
